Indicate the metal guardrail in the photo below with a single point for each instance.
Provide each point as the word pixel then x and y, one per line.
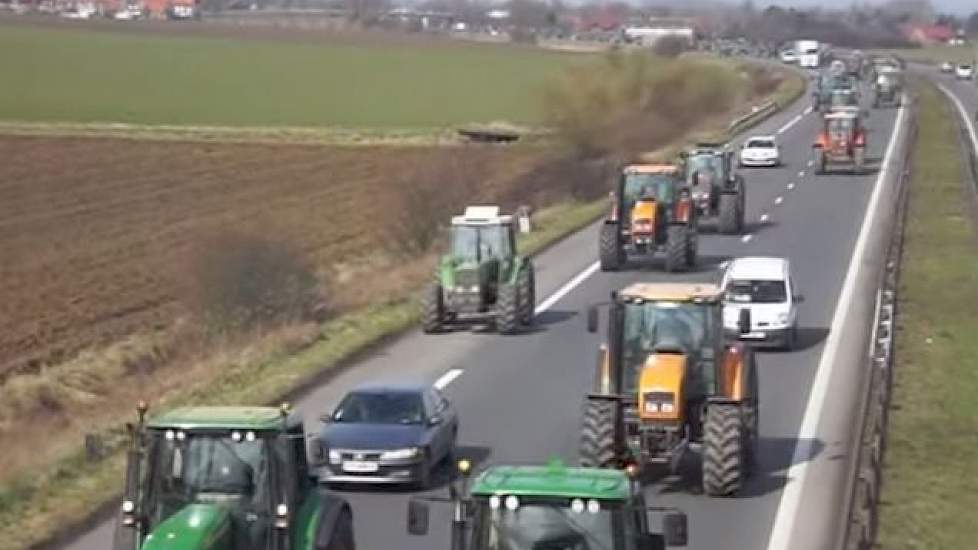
pixel 863 505
pixel 757 114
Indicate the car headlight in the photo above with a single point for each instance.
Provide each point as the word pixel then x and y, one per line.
pixel 783 318
pixel 335 457
pixel 399 454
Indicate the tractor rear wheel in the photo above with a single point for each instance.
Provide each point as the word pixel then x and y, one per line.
pixel 676 243
pixel 609 248
pixel 528 298
pixel 599 444
pixel 823 162
pixel 692 248
pixel 725 457
pixel 859 159
pixel 729 217
pixel 508 309
pixel 432 309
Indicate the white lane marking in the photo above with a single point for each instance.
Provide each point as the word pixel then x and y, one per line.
pixel 568 286
pixel 784 521
pixel 764 218
pixel 964 115
pixel 790 123
pixel 791 186
pixel 811 163
pixel 801 174
pixel 779 199
pixel 746 238
pixel 447 378
pixel 808 109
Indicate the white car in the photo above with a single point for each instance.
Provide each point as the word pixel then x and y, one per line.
pixel 947 67
pixel 763 286
pixel 964 71
pixel 760 151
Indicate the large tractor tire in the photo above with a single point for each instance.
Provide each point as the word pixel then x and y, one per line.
pixel 725 450
pixel 692 248
pixel 823 163
pixel 599 442
pixel 610 252
pixel 859 160
pixel 729 216
pixel 432 309
pixel 528 295
pixel 508 309
pixel 677 237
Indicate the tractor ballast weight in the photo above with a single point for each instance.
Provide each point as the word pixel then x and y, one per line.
pixel 717 191
pixel 651 211
pixel 551 506
pixel 226 478
pixel 482 277
pixel 841 140
pixel 668 381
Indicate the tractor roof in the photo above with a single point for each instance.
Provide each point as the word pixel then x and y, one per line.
pixel 676 292
pixel 553 480
pixel 843 113
pixel 651 169
pixel 482 215
pixel 218 418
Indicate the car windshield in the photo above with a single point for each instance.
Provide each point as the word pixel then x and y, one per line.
pixel 205 468
pixel 760 144
pixel 757 292
pixel 658 326
pixel 475 242
pixel 551 524
pixel 381 408
pixel 660 186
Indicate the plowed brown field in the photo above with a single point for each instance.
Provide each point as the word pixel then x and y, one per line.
pixel 93 232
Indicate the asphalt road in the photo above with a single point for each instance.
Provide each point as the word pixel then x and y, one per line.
pixel 519 397
pixel 964 97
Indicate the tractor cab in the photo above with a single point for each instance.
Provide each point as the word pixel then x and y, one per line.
pixel 666 375
pixel 481 240
pixel 717 192
pixel 225 478
pixel 842 139
pixel 553 507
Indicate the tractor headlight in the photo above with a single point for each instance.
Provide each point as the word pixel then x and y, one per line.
pixel 399 454
pixel 659 402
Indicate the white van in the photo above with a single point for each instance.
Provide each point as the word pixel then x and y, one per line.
pixel 764 286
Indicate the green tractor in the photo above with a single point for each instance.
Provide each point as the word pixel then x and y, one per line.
pixel 226 478
pixel 552 506
pixel 717 191
pixel 482 277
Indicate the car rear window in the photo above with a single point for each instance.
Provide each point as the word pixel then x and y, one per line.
pixel 761 144
pixel 757 292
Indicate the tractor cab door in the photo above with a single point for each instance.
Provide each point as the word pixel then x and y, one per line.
pixel 495 255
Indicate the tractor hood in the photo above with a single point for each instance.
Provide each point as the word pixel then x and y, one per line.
pixel 661 386
pixel 195 527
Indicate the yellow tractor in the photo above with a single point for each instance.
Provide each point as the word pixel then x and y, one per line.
pixel 668 382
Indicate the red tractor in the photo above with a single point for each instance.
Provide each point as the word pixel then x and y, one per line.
pixel 842 140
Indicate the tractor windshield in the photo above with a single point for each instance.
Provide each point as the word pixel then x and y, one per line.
pixel 479 242
pixel 711 164
pixel 840 127
pixel 227 469
pixel 660 186
pixel 551 524
pixel 661 326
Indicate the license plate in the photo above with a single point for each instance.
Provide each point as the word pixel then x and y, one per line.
pixel 358 467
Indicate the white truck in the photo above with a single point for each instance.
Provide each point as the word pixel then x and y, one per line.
pixel 809 53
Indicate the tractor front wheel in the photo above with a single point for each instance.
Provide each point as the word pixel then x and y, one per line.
pixel 725 459
pixel 692 248
pixel 730 217
pixel 528 295
pixel 823 162
pixel 609 248
pixel 432 309
pixel 599 442
pixel 859 159
pixel 677 237
pixel 508 314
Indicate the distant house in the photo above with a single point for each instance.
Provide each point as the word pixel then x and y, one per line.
pixel 649 32
pixel 928 34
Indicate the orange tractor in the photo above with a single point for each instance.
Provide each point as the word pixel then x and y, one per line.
pixel 667 382
pixel 651 211
pixel 842 140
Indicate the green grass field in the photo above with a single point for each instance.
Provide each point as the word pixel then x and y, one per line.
pixel 55 75
pixel 935 55
pixel 930 491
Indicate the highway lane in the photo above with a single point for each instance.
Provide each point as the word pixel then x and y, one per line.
pixel 520 397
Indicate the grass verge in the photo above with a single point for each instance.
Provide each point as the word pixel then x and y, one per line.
pixel 35 508
pixel 930 491
pixel 933 55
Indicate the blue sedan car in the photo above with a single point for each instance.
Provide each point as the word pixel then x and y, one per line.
pixel 387 434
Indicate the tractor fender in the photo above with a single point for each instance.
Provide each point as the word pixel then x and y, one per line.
pixel 736 366
pixel 331 508
pixel 520 265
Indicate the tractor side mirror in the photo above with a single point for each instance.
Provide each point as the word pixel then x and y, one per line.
pixel 743 321
pixel 675 529
pixel 417 518
pixel 592 319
